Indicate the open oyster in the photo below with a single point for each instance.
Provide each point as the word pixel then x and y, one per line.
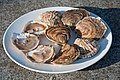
pixel 72 17
pixel 90 27
pixel 42 54
pixel 68 53
pixel 35 27
pixel 25 41
pixel 59 35
pixel 52 18
pixel 88 47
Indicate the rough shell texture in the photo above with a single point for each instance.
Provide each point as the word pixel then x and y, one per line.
pixel 68 53
pixel 90 27
pixel 52 18
pixel 42 54
pixel 59 35
pixel 72 17
pixel 88 48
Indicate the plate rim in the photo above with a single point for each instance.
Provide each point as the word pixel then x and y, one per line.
pixel 48 71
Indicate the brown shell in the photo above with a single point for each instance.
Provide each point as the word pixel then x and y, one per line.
pixel 72 17
pixel 30 43
pixel 69 55
pixel 51 18
pixel 42 54
pixel 90 27
pixel 59 35
pixel 88 48
pixel 35 27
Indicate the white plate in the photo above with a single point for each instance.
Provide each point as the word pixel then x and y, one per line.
pixel 19 58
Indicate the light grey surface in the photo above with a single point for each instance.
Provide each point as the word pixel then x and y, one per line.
pixel 108 68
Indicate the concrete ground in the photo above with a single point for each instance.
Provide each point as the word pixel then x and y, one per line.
pixel 108 68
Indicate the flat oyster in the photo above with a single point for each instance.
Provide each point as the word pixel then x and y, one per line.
pixel 42 54
pixel 52 18
pixel 68 53
pixel 72 17
pixel 35 27
pixel 88 47
pixel 90 27
pixel 25 41
pixel 59 35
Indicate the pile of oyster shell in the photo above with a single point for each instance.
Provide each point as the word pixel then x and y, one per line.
pixel 58 28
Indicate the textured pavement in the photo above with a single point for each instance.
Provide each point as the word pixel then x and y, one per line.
pixel 108 68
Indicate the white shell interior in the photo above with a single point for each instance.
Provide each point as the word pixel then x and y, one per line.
pixel 40 28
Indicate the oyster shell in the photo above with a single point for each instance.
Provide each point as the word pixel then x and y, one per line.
pixel 25 41
pixel 42 54
pixel 35 27
pixel 72 17
pixel 68 53
pixel 90 27
pixel 52 18
pixel 59 35
pixel 88 47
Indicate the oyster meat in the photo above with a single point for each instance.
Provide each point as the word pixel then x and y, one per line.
pixel 59 35
pixel 68 55
pixel 42 54
pixel 88 47
pixel 35 27
pixel 72 17
pixel 52 18
pixel 91 27
pixel 25 41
